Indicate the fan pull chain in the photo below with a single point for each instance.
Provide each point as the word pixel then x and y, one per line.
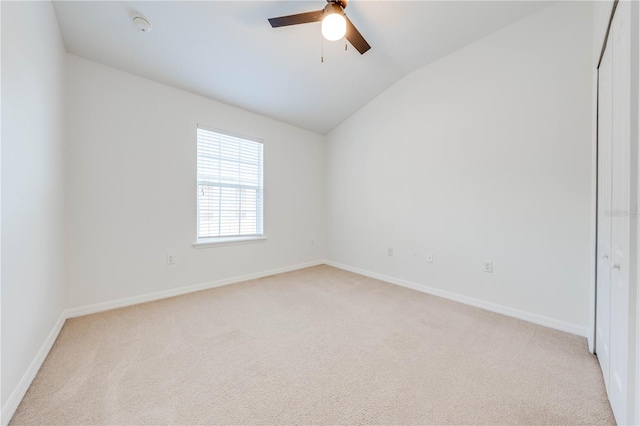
pixel 322 55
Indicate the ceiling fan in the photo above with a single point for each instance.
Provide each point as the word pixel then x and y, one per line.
pixel 335 23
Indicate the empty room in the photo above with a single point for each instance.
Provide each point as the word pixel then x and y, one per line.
pixel 319 212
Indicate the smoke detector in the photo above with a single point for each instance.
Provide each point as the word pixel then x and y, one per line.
pixel 142 24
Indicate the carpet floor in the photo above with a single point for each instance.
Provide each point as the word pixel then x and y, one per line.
pixel 318 345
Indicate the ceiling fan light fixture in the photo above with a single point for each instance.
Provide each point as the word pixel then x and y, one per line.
pixel 334 25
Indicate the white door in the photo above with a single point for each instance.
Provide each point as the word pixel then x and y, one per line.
pixel 603 290
pixel 621 203
pixel 614 198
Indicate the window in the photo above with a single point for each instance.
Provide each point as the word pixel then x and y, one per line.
pixel 229 186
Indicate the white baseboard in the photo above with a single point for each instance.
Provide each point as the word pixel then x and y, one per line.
pixel 14 400
pixel 149 297
pixel 489 306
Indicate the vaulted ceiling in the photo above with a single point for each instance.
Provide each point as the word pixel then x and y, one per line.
pixel 226 50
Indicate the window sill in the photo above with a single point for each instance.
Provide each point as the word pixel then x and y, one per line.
pixel 231 241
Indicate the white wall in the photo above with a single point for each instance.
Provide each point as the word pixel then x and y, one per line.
pixel 484 154
pixel 637 165
pixel 131 183
pixel 32 185
pixel 634 308
pixel 637 284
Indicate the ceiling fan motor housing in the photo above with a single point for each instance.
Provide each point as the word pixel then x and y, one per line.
pixel 333 7
pixel 341 3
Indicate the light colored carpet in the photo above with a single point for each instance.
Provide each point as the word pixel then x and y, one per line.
pixel 321 346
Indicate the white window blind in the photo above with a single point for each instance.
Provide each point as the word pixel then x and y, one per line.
pixel 229 186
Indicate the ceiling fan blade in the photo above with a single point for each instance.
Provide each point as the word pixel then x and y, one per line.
pixel 300 18
pixel 355 38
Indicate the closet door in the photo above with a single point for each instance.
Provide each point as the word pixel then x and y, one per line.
pixel 614 214
pixel 603 303
pixel 621 221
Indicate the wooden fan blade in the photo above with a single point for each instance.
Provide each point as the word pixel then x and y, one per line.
pixel 300 18
pixel 355 38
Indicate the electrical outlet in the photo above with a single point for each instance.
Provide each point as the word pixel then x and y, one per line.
pixel 488 266
pixel 429 257
pixel 171 259
pixel 389 251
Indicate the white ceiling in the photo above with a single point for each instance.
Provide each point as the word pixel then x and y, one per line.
pixel 226 50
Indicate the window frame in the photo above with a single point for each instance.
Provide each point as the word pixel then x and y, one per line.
pixel 203 242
